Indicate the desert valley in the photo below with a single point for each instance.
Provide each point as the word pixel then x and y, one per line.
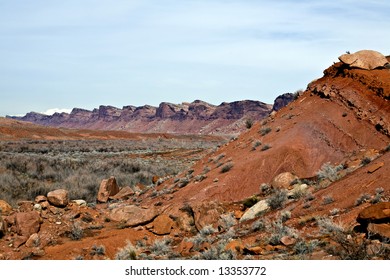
pixel 304 178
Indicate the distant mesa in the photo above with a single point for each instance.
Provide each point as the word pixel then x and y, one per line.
pixel 197 117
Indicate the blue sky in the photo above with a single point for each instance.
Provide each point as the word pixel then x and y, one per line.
pixel 86 53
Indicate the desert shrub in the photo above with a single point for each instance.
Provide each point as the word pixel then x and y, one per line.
pixel 216 252
pixel 265 130
pixel 256 144
pixel 327 200
pixel 334 211
pixel 248 123
pixel 285 215
pixel 76 232
pixel 129 252
pixel 161 247
pixel 303 247
pixel 365 161
pixel 362 199
pixel 348 245
pixel 217 158
pixel 250 201
pixel 277 199
pixel 98 250
pixel 265 189
pixel 227 221
pixel 329 172
pixel 227 167
pixel 258 225
pixel 278 230
pixel 265 147
pixel 207 230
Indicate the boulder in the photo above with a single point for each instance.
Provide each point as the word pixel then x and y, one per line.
pixel 297 191
pixel 376 213
pixel 27 223
pixel 207 213
pixel 40 198
pixel 5 208
pixel 235 246
pixel 33 240
pixel 80 202
pixel 185 248
pixel 256 210
pixel 283 180
pixel 2 227
pixel 123 194
pixel 133 215
pixel 162 225
pixel 108 187
pixel 58 198
pixel 287 240
pixel 25 206
pixel 365 59
pixel 382 230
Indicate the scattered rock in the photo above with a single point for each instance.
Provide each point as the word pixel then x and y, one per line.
pixel 383 230
pixel 40 198
pixel 288 241
pixel 2 227
pixel 257 250
pixel 108 187
pixel 283 180
pixel 162 225
pixel 256 210
pixel 5 207
pixel 123 194
pixel 235 246
pixel 297 190
pixel 33 240
pixel 374 167
pixel 37 207
pixel 80 202
pixel 365 59
pixel 27 223
pixel 376 213
pixel 19 241
pixel 207 213
pixel 133 215
pixel 25 206
pixel 185 248
pixel 58 198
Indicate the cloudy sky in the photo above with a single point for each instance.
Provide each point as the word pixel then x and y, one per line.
pixel 86 53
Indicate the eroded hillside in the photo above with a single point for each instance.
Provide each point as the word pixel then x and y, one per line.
pixel 311 181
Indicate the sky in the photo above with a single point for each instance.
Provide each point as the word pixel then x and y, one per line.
pixel 56 55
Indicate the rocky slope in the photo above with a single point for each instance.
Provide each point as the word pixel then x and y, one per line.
pixel 311 181
pixel 197 117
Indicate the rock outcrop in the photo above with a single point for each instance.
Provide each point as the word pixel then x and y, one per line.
pixel 365 59
pixel 185 118
pixel 108 187
pixel 58 198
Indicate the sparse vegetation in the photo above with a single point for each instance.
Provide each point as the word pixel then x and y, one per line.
pixel 76 232
pixel 265 147
pixel 327 200
pixel 362 199
pixel 277 199
pixel 265 130
pixel 329 172
pixel 227 167
pixel 129 252
pixel 248 123
pixel 34 167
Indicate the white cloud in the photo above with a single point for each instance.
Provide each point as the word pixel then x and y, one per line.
pixel 56 110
